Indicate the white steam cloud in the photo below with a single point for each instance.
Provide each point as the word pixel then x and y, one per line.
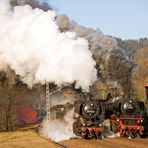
pixel 32 45
pixel 59 130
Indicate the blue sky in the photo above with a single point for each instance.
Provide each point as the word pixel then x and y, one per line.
pixel 121 18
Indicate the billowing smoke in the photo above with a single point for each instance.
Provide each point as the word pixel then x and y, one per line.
pixel 40 47
pixel 95 37
pixel 116 69
pixel 59 130
pixel 33 3
pixel 112 64
pixel 32 45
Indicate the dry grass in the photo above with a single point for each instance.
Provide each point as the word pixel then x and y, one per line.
pixel 106 143
pixel 30 139
pixel 24 139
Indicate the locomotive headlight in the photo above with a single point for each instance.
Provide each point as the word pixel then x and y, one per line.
pixel 117 120
pixel 100 124
pixel 90 109
pixel 86 107
pixel 84 124
pixel 141 120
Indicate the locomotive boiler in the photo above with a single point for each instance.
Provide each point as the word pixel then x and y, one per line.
pixel 125 107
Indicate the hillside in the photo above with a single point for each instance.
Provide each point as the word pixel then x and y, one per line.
pixel 131 46
pixel 140 75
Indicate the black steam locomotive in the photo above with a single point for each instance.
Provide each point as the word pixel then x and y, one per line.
pixel 89 117
pixel 125 116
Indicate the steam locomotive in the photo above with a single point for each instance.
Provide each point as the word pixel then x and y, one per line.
pixel 89 117
pixel 125 116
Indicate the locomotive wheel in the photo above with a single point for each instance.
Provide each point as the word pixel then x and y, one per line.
pixel 114 126
pixel 76 129
pixel 84 136
pixel 143 135
pixel 100 137
pixel 93 134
